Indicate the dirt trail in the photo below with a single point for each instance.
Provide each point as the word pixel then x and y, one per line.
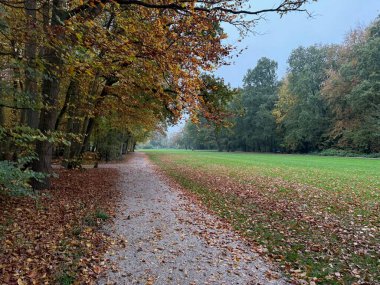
pixel 171 240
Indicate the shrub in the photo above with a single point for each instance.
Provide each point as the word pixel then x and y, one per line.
pixel 346 153
pixel 15 178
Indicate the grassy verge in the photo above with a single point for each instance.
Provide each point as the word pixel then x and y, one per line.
pixel 327 234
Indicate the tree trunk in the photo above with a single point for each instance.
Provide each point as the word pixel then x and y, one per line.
pixel 30 55
pixel 127 145
pixel 65 104
pixel 2 123
pixel 74 125
pixel 91 121
pixel 217 139
pixel 2 117
pixel 50 92
pixel 17 85
pixel 87 135
pixel 133 146
pixel 2 114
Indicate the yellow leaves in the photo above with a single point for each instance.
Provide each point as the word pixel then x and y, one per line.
pixel 97 269
pixel 285 101
pixel 150 281
pixel 20 282
pixel 71 70
pixel 79 35
pixel 89 72
pixel 223 36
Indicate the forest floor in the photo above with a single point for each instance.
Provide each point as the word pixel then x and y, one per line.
pixel 55 236
pixel 171 239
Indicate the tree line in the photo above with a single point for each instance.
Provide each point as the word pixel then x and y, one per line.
pixel 100 75
pixel 329 100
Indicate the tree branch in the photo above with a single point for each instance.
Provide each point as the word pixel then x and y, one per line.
pixel 208 7
pixel 15 107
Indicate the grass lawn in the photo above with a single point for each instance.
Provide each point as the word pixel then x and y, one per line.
pixel 317 216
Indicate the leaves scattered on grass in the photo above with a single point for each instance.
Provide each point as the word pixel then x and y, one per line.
pixel 55 238
pixel 319 235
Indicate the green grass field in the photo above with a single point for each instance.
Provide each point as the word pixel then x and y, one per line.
pixel 317 216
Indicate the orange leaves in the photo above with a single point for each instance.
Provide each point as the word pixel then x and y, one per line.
pixel 156 56
pixel 41 239
pixel 316 234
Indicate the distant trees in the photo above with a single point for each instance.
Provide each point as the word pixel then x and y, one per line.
pixel 329 98
pixel 209 129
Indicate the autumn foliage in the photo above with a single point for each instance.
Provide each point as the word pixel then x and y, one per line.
pixel 69 68
pixel 55 236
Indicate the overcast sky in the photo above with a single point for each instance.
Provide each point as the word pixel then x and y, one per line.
pixel 277 37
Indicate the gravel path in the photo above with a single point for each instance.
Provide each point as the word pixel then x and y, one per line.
pixel 171 240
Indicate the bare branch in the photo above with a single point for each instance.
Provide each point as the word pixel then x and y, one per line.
pixel 190 5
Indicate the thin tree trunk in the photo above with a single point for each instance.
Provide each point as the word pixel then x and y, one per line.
pixel 74 125
pixel 87 135
pixel 2 115
pixel 134 146
pixel 30 55
pixel 2 123
pixel 17 86
pixel 65 104
pixel 91 122
pixel 127 145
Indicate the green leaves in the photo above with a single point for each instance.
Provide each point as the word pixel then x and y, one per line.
pixel 14 179
pixel 352 92
pixel 16 175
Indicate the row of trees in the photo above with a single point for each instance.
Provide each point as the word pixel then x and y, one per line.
pixel 329 99
pixel 101 75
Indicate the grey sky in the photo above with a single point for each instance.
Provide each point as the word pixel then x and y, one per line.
pixel 277 37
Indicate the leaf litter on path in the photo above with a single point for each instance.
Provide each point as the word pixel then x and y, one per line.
pixel 174 240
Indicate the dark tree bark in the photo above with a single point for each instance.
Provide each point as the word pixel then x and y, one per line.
pixel 74 125
pixel 133 146
pixel 31 85
pixel 50 92
pixel 87 135
pixel 2 122
pixel 65 103
pixel 2 115
pixel 91 121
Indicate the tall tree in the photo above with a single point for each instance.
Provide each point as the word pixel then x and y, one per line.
pixel 353 92
pixel 31 82
pixel 50 91
pixel 306 119
pixel 256 128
